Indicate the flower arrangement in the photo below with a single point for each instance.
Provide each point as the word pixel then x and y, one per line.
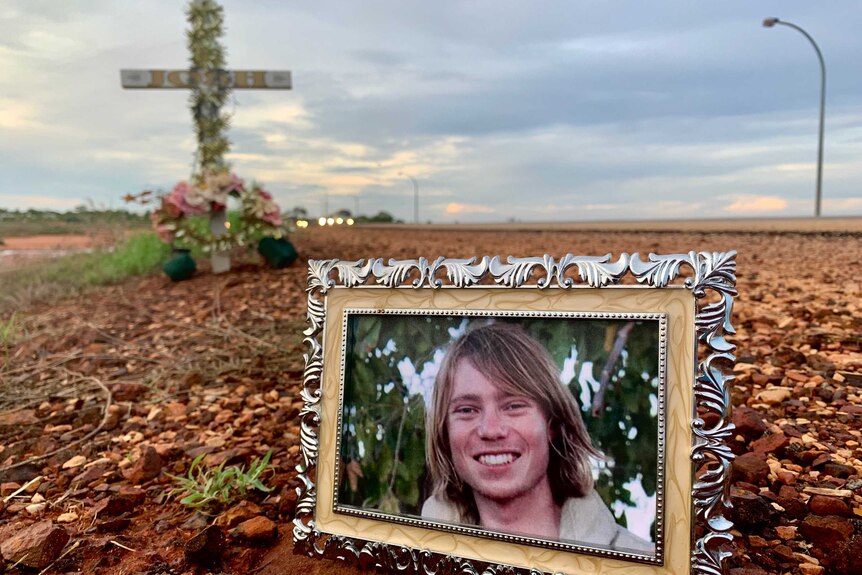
pixel 174 220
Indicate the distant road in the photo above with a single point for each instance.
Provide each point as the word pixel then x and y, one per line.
pixel 829 225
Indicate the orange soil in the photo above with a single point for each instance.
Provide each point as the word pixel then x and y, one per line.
pixel 51 242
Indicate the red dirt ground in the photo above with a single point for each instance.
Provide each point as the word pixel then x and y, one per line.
pixel 215 364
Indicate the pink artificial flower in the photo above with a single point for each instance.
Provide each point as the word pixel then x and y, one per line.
pixel 264 194
pixel 236 184
pixel 165 234
pixel 170 207
pixel 273 218
pixel 178 198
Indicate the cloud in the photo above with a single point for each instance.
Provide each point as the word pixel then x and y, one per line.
pixel 456 208
pixel 265 114
pixel 17 115
pixel 747 204
pixel 578 111
pixel 843 205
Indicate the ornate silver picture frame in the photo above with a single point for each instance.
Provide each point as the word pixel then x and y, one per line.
pixel 361 497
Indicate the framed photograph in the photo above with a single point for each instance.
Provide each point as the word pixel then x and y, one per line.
pixel 526 415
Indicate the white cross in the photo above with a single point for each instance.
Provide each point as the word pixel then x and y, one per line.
pixel 193 80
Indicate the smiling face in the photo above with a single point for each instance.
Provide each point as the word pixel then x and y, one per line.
pixel 499 441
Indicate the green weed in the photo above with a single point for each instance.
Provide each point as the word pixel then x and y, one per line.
pixel 8 330
pixel 221 485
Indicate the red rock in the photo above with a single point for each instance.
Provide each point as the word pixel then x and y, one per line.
pixel 774 443
pixel 242 511
pixel 762 379
pixel 8 488
pixel 207 546
pixel 287 502
pixel 749 510
pixel 827 532
pixel 115 415
pixel 747 487
pixel 18 418
pixel 91 474
pixel 796 376
pixel 227 457
pixel 749 423
pixel 749 467
pixel 148 466
pixel 787 491
pixel 191 379
pixel 851 409
pixel 793 507
pixel 123 502
pixel 838 470
pixel 847 558
pixel 36 546
pixel 790 430
pixel 785 477
pixel 128 391
pixel 113 525
pixel 21 474
pixel 194 452
pixel 748 570
pixel 258 530
pixel 15 508
pixel 784 553
pixel 824 505
pixel 821 459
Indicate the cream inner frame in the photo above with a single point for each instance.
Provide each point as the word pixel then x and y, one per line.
pixel 677 303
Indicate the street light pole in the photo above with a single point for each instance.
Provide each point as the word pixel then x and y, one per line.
pixel 769 23
pixel 415 197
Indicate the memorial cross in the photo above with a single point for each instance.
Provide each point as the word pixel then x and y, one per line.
pixel 210 84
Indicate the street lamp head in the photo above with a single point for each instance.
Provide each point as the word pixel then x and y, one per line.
pixel 770 22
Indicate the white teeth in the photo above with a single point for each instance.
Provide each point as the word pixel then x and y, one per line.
pixel 497 459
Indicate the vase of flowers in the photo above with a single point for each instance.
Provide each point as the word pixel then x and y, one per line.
pixel 180 216
pixel 181 265
pixel 278 252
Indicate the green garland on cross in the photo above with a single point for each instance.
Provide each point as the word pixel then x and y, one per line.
pixel 179 217
pixel 206 21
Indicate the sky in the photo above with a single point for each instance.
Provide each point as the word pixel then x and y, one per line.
pixel 500 110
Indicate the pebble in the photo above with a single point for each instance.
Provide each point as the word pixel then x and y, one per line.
pixel 258 530
pixel 76 461
pixel 69 517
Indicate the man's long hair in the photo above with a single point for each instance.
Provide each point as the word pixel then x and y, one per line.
pixel 519 365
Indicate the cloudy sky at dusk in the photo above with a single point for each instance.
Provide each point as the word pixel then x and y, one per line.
pixel 549 111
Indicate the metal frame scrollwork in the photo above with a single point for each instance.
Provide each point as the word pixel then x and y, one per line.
pixel 713 284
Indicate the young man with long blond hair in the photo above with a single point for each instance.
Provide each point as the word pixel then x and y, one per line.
pixel 507 448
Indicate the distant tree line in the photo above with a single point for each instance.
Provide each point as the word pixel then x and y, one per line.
pixel 81 214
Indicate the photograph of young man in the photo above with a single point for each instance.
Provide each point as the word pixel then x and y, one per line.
pixel 507 448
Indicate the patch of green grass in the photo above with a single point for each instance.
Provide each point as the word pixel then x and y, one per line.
pixel 8 330
pixel 202 487
pixel 57 279
pixel 139 255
